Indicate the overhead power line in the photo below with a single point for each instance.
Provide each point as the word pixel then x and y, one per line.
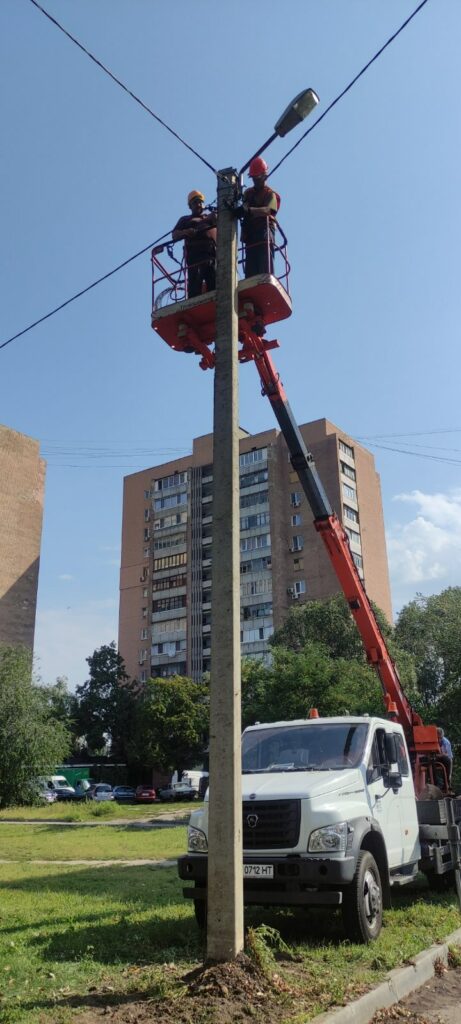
pixel 99 63
pixel 122 86
pixel 83 291
pixel 348 87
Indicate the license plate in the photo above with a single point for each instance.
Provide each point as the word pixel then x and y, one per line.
pixel 258 870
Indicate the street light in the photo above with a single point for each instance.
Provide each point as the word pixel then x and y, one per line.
pixel 296 111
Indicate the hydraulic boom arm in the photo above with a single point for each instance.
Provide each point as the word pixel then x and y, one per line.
pixel 422 740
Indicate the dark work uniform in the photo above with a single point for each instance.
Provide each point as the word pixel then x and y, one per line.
pixel 200 252
pixel 258 233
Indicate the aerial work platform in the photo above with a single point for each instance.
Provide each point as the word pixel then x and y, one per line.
pixel 189 325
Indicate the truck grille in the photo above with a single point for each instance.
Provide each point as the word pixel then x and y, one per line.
pixel 271 824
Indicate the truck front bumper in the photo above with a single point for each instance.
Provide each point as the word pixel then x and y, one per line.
pixel 297 881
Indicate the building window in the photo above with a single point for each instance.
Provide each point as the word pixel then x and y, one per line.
pixel 297 543
pixel 256 565
pixel 349 492
pixel 261 498
pixel 146 495
pixel 346 448
pixel 146 515
pixel 353 535
pixel 173 541
pixel 145 592
pixel 293 477
pixel 170 481
pixel 170 561
pixel 144 634
pixel 298 564
pixel 146 533
pixel 250 479
pixel 165 604
pixel 262 540
pixel 177 519
pixel 358 560
pixel 146 552
pixel 296 520
pixel 144 613
pixel 256 611
pixel 252 636
pixel 259 519
pixel 143 675
pixel 169 648
pixel 347 470
pixel 350 513
pixel 249 458
pixel 299 587
pixel 295 499
pixel 168 626
pixel 171 501
pixel 263 586
pixel 170 582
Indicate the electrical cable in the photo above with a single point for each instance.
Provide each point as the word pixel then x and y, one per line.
pixel 121 265
pixel 348 87
pixel 84 290
pixel 122 86
pixel 419 455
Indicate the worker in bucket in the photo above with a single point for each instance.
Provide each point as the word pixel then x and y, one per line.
pixel 260 204
pixel 198 229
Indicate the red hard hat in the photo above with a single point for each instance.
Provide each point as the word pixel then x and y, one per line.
pixel 258 166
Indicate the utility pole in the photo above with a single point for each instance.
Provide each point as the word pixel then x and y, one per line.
pixel 225 857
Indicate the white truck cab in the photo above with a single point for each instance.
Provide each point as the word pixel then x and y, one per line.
pixel 329 819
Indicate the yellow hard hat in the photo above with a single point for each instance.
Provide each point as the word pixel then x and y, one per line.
pixel 195 195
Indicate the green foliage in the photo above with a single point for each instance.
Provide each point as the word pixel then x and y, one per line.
pixel 105 704
pixel 319 661
pixel 32 740
pixel 297 681
pixel 170 724
pixel 429 629
pixel 262 943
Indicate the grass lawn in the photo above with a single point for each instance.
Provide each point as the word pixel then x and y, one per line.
pixel 90 811
pixel 61 842
pixel 70 935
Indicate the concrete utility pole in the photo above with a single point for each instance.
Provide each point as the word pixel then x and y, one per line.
pixel 225 857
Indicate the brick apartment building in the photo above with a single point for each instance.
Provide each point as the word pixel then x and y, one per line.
pixel 165 580
pixel 22 482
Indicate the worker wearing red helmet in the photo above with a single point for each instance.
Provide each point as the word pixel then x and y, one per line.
pixel 260 205
pixel 198 229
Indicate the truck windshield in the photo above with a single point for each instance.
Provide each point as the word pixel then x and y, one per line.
pixel 303 747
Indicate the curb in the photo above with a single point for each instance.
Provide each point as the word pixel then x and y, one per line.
pixel 400 982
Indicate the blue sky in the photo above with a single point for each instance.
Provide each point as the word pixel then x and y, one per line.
pixel 371 207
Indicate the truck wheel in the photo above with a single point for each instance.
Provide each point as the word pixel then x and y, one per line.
pixel 200 910
pixel 363 901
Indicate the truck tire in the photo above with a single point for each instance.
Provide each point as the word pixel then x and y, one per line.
pixel 200 910
pixel 363 901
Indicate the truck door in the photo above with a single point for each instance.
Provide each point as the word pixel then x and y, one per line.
pixel 407 803
pixel 384 802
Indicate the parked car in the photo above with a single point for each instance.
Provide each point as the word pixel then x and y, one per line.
pixel 101 791
pixel 124 794
pixel 146 795
pixel 59 785
pixel 178 791
pixel 47 795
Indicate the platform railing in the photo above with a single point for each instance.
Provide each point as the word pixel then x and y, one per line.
pixel 170 275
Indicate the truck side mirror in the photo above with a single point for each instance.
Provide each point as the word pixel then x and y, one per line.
pixel 393 773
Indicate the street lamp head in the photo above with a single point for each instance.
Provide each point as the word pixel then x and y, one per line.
pixel 296 111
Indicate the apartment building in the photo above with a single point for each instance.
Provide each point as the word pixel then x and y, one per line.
pixel 167 532
pixel 22 482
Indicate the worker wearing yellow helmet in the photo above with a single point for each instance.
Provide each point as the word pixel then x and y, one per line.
pixel 198 230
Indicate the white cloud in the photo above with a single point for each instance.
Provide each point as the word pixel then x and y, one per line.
pixel 65 637
pixel 425 551
pixel 66 576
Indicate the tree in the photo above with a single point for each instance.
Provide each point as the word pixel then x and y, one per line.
pixel 171 724
pixel 300 680
pixel 319 661
pixel 32 740
pixel 105 703
pixel 429 629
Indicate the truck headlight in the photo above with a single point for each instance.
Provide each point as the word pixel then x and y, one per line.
pixel 196 840
pixel 330 839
